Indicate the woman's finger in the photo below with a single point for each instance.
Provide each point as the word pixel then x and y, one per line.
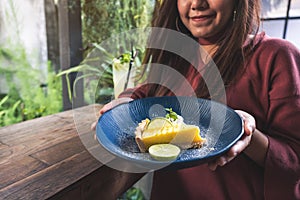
pixel 235 150
pixel 114 103
pixel 240 146
pixel 93 126
pixel 249 121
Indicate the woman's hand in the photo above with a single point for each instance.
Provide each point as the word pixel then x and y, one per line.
pixel 110 105
pixel 114 103
pixel 239 146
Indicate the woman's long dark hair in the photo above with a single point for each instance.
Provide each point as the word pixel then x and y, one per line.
pixel 230 57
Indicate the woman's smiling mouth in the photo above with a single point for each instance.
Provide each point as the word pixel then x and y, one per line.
pixel 201 18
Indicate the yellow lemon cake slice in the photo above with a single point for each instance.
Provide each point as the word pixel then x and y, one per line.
pixel 163 131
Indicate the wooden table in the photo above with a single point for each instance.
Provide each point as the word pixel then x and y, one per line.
pixel 45 158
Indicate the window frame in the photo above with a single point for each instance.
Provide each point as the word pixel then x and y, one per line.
pixel 286 19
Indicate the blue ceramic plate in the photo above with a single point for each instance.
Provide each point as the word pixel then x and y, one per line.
pixel 219 124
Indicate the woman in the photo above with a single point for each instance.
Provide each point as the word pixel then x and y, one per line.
pixel 262 82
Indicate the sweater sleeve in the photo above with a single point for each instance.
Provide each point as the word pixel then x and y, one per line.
pixel 282 165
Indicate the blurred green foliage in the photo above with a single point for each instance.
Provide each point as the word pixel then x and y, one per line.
pixel 27 96
pixel 107 27
pixel 132 194
pixel 103 18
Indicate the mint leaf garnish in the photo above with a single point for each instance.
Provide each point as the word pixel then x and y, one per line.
pixel 171 115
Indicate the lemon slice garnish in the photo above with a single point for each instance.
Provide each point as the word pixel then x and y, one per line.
pixel 164 152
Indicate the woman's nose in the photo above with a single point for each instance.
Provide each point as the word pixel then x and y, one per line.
pixel 199 4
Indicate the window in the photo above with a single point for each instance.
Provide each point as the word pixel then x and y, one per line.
pixel 280 18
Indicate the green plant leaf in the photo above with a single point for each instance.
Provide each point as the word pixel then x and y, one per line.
pixel 16 105
pixel 3 100
pixel 104 51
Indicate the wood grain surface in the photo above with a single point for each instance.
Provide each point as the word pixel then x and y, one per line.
pixel 49 158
